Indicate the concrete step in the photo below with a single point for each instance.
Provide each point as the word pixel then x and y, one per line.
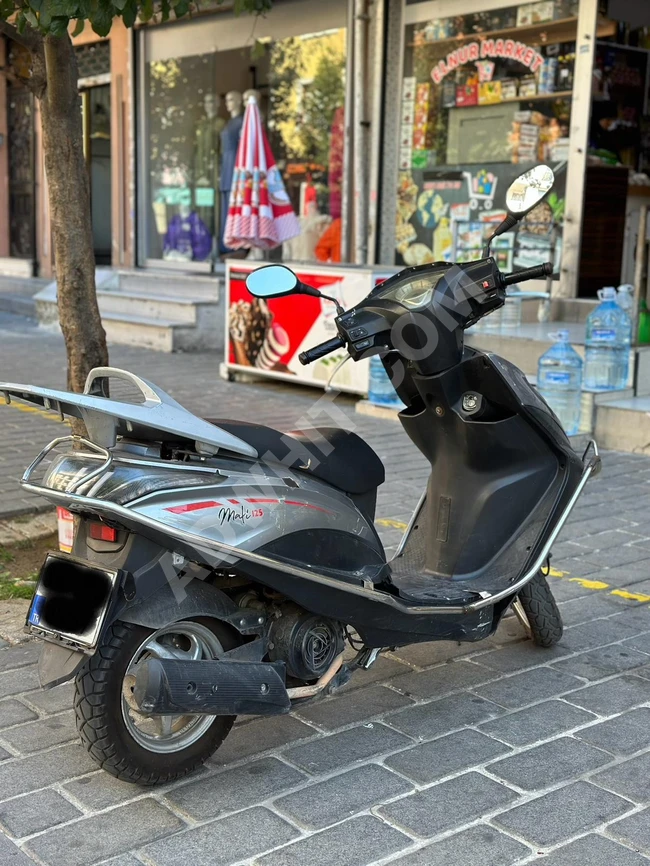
pixel 180 309
pixel 17 294
pixel 524 345
pixel 170 284
pixel 624 425
pixel 162 335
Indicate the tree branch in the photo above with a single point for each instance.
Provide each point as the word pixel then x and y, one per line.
pixel 29 39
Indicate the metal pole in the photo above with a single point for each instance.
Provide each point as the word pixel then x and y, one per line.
pixel 360 180
pixel 347 180
pixel 377 88
pixel 579 137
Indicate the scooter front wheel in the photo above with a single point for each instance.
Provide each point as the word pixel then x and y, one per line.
pixel 137 748
pixel 538 612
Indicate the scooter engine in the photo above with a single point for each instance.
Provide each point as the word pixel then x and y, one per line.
pixel 307 643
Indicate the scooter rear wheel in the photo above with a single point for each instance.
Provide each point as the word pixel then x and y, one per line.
pixel 133 747
pixel 543 617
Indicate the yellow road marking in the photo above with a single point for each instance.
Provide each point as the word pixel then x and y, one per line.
pixel 51 415
pixel 596 585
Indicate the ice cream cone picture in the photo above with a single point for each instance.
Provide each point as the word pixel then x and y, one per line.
pixel 275 346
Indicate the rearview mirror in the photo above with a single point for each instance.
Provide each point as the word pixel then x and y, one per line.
pixel 528 190
pixel 272 281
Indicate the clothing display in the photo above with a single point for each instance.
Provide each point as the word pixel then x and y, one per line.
pixel 187 239
pixel 328 248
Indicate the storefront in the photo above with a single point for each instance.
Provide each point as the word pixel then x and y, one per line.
pixel 194 79
pixel 485 90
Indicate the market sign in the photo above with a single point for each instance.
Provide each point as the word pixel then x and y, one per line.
pixel 473 51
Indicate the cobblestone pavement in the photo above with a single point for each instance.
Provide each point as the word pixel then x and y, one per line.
pixel 492 754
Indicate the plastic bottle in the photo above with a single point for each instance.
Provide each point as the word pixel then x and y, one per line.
pixel 380 388
pixel 559 380
pixel 609 332
pixel 625 298
pixel 511 310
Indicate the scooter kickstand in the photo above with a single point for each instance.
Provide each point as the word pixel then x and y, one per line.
pixel 367 657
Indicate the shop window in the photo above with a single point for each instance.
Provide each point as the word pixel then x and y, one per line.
pixel 484 96
pixel 94 59
pixel 193 113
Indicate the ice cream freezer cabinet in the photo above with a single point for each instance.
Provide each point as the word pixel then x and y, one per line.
pixel 265 338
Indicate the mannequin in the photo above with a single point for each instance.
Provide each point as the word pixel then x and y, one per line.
pixel 257 96
pixel 207 152
pixel 230 135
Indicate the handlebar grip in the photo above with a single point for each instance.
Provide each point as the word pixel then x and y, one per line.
pixel 535 273
pixel 321 350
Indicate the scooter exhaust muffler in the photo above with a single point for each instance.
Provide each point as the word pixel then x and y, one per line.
pixel 214 688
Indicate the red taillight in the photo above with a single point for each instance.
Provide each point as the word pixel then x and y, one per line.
pixel 101 532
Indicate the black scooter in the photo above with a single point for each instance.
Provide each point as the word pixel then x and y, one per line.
pixel 219 568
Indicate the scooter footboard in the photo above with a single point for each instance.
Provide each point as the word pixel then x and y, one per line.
pixel 215 688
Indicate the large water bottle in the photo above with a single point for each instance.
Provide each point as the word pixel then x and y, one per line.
pixel 511 310
pixel 380 388
pixel 625 298
pixel 559 379
pixel 609 331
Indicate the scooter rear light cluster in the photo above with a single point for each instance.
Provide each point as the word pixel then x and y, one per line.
pixel 102 532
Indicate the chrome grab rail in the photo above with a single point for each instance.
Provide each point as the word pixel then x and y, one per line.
pixel 74 485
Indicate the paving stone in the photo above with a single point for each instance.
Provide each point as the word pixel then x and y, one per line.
pixel 18 681
pixel 634 831
pixel 446 755
pixel 3 643
pixel 342 796
pixel 618 556
pixel 424 655
pixel 35 812
pixel 614 696
pixel 593 850
pixel 100 790
pixel 641 642
pixel 357 706
pixel 622 735
pixel 553 762
pixel 348 747
pixel 223 842
pixel 42 734
pixel 480 846
pixel 539 722
pixel 19 656
pixel 520 656
pixel 629 779
pixel 576 566
pixel 102 836
pixel 383 669
pixel 13 713
pixel 603 662
pixel 426 721
pixel 261 735
pixel 54 700
pixel 447 805
pixel 4 754
pixel 122 860
pixel 594 606
pixel 567 588
pixel 562 814
pixel 11 855
pixel 608 539
pixel 527 688
pixel 643 672
pixel 236 789
pixel 41 770
pixel 596 634
pixel 438 681
pixel 358 842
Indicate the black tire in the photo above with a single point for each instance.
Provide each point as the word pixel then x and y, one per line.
pixel 99 715
pixel 542 612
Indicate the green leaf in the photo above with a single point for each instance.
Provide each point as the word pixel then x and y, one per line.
pixel 20 22
pixel 30 17
pixel 181 8
pixel 130 13
pixel 79 27
pixel 146 13
pixel 119 4
pixel 36 4
pixel 59 26
pixel 258 50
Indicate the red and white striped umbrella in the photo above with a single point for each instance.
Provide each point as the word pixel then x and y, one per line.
pixel 259 211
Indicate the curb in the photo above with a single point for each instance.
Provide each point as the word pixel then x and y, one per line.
pixel 29 526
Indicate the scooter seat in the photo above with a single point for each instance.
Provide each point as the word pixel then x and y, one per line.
pixel 337 456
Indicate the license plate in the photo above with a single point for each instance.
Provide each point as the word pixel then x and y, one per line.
pixel 71 601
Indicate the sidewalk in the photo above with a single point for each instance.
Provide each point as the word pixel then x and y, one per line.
pixel 492 754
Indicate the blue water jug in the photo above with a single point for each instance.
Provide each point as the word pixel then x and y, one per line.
pixel 559 381
pixel 607 356
pixel 380 388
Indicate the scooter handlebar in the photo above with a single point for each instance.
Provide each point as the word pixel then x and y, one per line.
pixel 321 350
pixel 535 273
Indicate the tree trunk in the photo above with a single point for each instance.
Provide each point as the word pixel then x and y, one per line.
pixel 69 196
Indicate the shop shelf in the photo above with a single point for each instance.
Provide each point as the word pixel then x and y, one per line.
pixel 538 97
pixel 548 33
